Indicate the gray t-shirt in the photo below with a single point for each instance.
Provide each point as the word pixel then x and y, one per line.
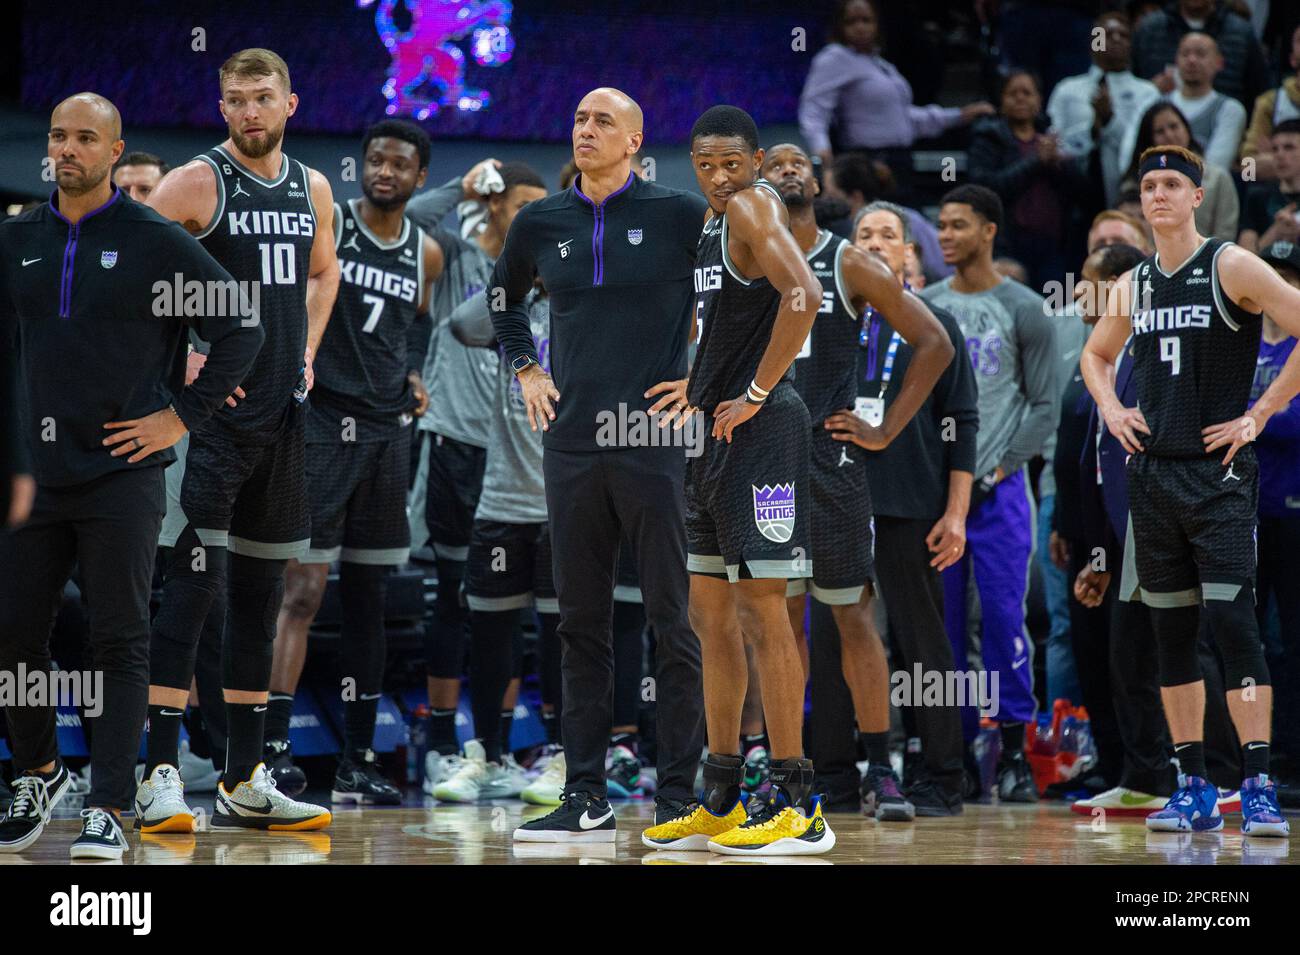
pixel 513 489
pixel 1012 349
pixel 461 380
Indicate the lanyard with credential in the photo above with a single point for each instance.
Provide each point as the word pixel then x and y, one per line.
pixel 888 371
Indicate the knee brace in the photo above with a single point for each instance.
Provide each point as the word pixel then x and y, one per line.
pixel 1229 609
pixel 445 637
pixel 256 591
pixel 194 586
pixel 1175 629
pixel 361 594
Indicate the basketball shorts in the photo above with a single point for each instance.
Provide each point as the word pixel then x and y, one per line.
pixel 509 568
pixel 455 480
pixel 358 501
pixel 250 497
pixel 1193 524
pixel 747 502
pixel 842 527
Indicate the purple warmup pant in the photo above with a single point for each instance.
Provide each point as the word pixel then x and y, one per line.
pixel 999 543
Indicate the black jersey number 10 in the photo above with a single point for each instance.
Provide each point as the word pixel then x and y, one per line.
pixel 278 263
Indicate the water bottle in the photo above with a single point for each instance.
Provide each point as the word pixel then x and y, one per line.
pixel 300 391
pixel 417 745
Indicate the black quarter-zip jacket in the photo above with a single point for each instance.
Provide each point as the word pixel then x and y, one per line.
pixel 620 276
pixel 91 308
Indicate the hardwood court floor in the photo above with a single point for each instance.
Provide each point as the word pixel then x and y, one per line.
pixel 1046 834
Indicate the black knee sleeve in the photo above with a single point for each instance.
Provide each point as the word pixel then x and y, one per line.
pixel 194 586
pixel 1175 629
pixel 362 644
pixel 445 637
pixel 256 591
pixel 1230 616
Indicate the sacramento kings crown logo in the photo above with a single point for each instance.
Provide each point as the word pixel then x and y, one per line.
pixel 774 511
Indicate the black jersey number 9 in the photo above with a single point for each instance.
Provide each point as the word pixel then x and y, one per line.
pixel 278 264
pixel 1170 352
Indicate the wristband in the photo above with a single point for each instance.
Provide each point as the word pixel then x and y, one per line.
pixel 753 399
pixel 761 392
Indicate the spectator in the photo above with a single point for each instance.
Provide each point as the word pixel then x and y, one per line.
pixel 858 180
pixel 1271 108
pixel 1112 227
pixel 1278 450
pixel 1217 121
pixel 1272 207
pixel 1155 46
pixel 1165 125
pixel 1024 24
pixel 1094 111
pixel 1019 160
pixel 854 90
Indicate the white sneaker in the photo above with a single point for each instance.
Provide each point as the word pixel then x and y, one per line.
pixel 438 768
pixel 256 804
pixel 1120 801
pixel 505 780
pixel 160 803
pixel 199 774
pixel 468 779
pixel 101 837
pixel 546 788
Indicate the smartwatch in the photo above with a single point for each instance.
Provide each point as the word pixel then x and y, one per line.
pixel 522 362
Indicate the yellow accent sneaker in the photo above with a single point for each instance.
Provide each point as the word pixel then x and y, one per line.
pixel 693 829
pixel 787 833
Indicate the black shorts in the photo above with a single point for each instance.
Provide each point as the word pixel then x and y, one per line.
pixel 358 501
pixel 843 529
pixel 748 502
pixel 509 568
pixel 1193 524
pixel 252 498
pixel 451 494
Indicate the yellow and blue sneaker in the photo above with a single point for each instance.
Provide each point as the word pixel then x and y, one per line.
pixel 689 825
pixel 778 830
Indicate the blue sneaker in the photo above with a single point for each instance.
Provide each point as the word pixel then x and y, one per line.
pixel 1194 807
pixel 1260 814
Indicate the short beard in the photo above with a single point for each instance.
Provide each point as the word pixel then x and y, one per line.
pixel 396 201
pixel 254 149
pixel 796 200
pixel 86 183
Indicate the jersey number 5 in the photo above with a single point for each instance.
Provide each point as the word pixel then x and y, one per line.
pixel 1169 351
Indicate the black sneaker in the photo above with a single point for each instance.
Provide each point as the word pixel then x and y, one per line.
pixel 359 780
pixel 881 798
pixel 667 808
pixel 580 817
pixel 930 799
pixel 6 797
pixel 278 756
pixel 34 799
pixel 101 836
pixel 1016 780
